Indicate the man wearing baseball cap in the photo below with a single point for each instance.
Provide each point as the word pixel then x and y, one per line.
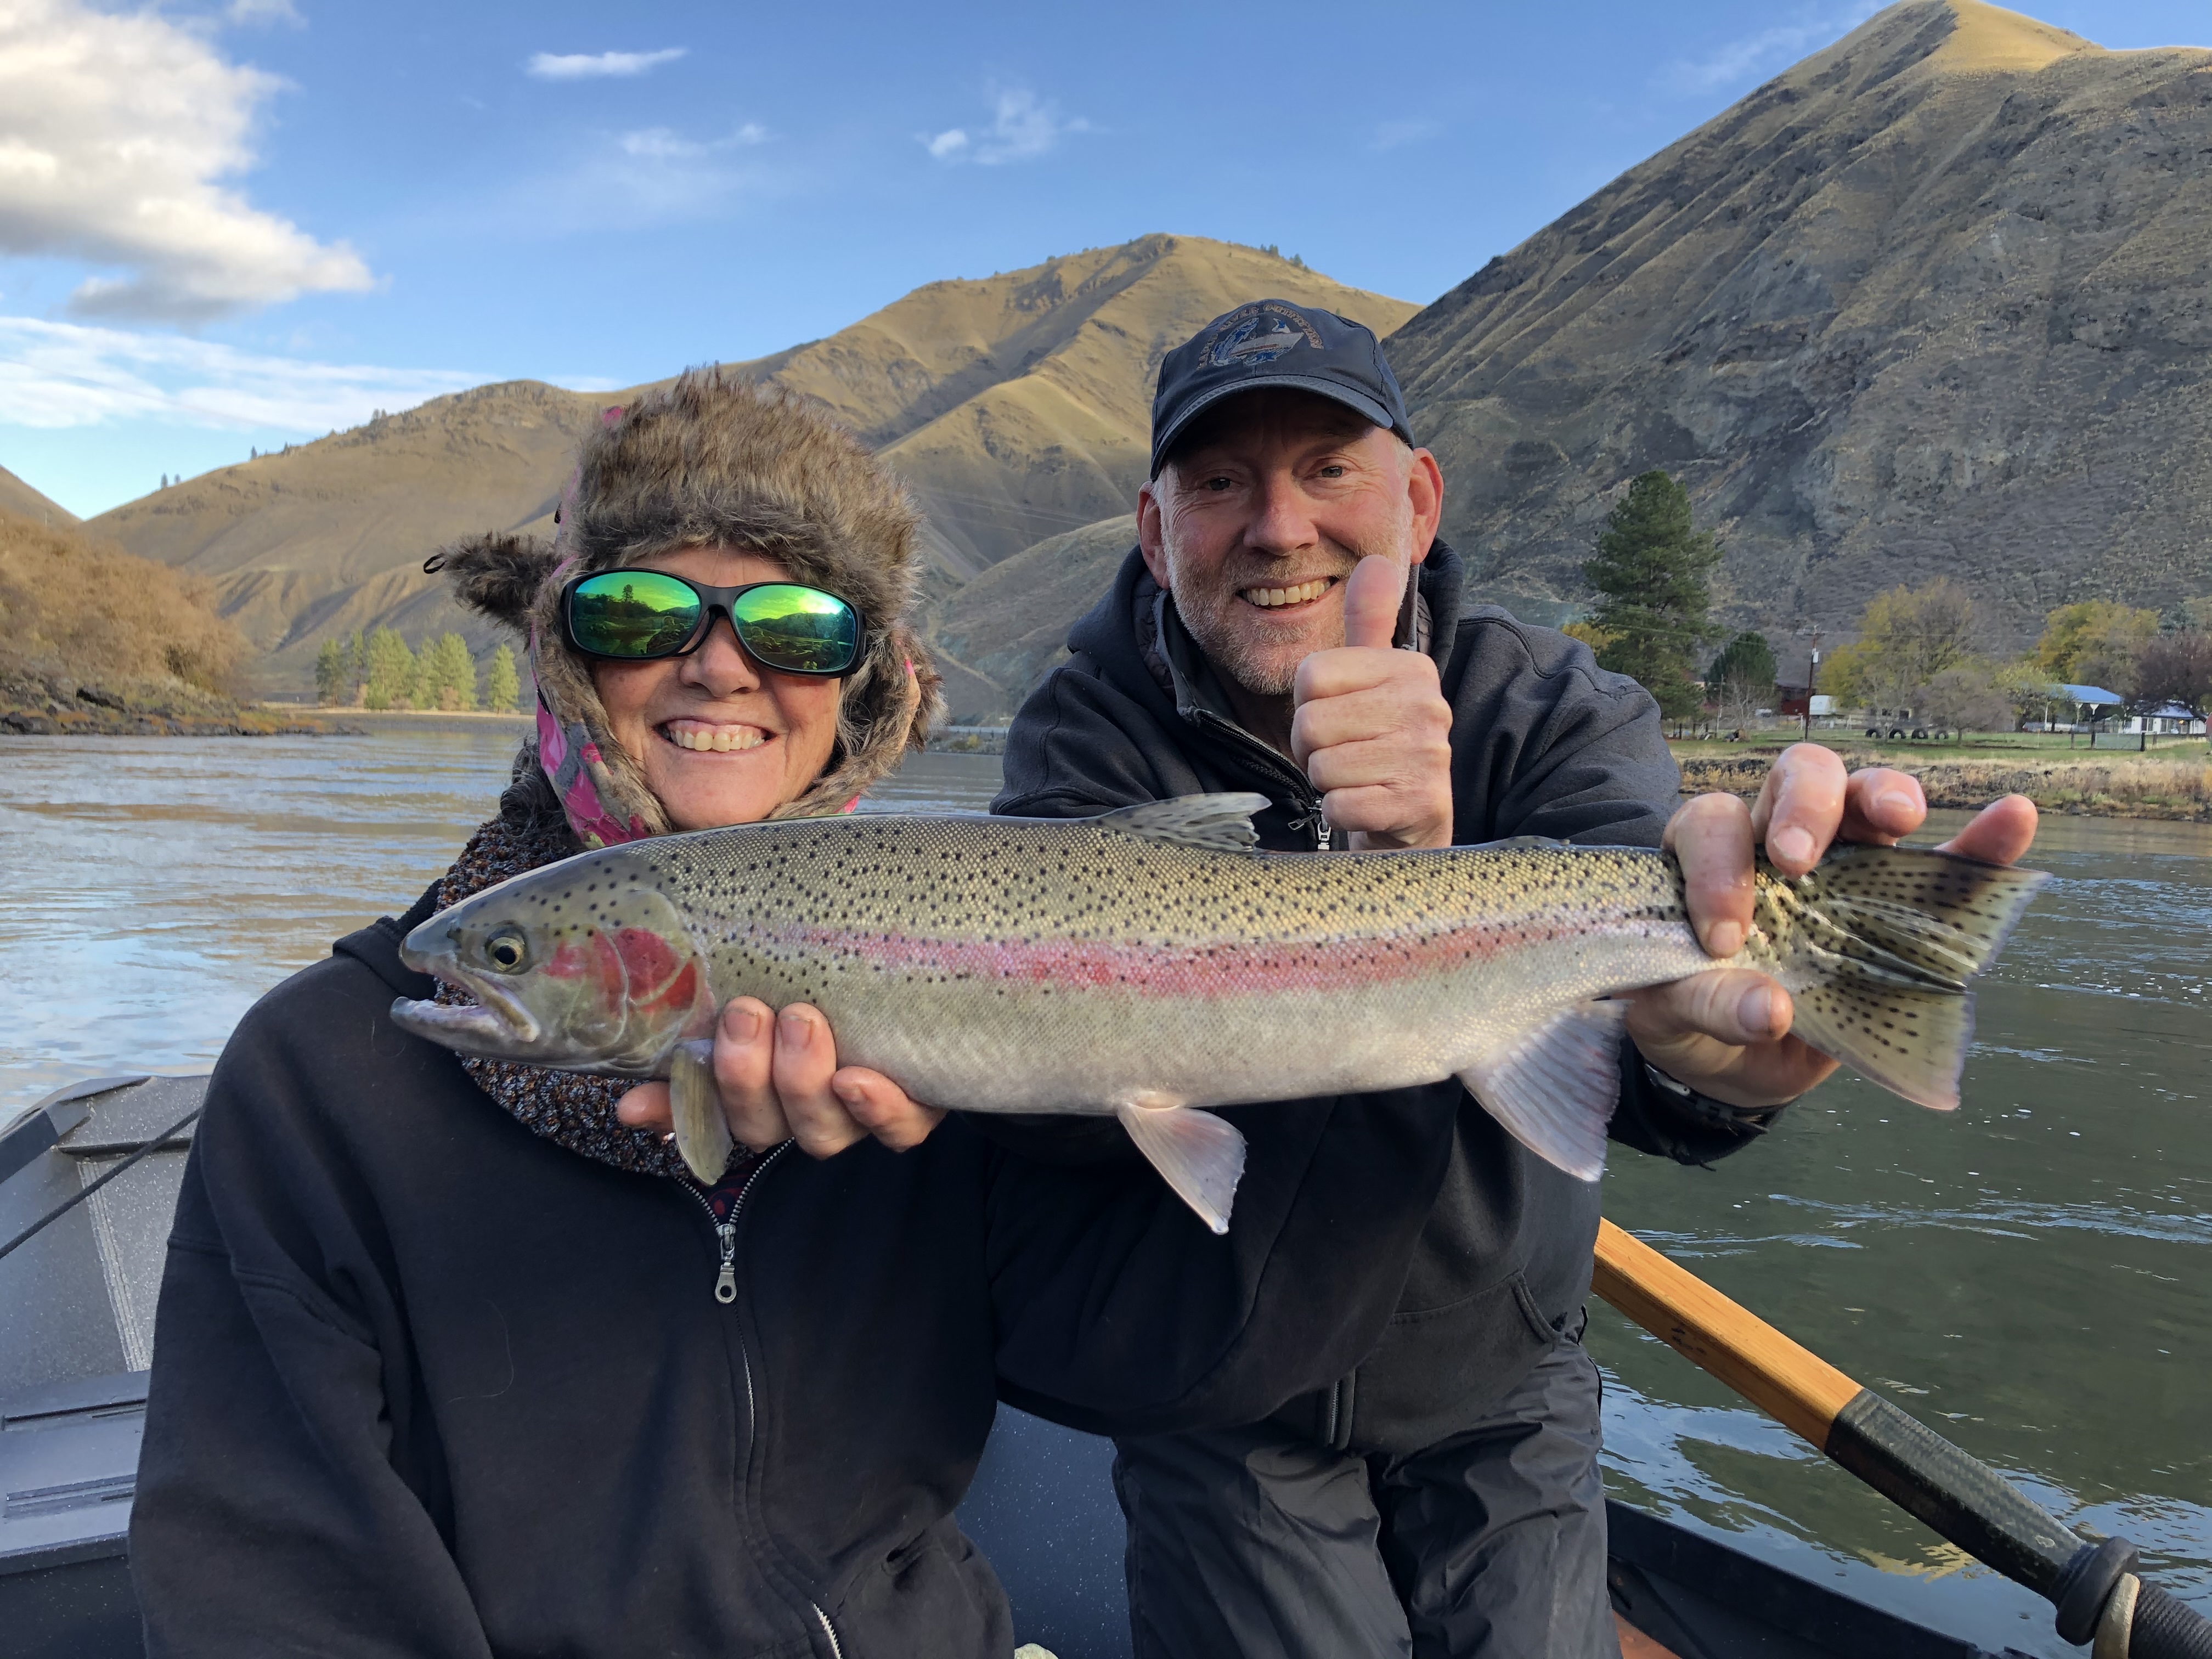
pixel 1289 624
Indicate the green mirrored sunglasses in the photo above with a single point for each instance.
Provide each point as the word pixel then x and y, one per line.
pixel 634 616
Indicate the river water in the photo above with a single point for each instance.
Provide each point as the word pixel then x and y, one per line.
pixel 2029 1274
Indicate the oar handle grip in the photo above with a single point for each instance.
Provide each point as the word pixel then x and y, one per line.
pixel 2163 1628
pixel 1959 1496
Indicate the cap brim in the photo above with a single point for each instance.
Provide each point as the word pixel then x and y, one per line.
pixel 1358 401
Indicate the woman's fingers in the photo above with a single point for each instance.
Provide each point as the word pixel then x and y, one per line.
pixel 744 1064
pixel 646 1107
pixel 884 1110
pixel 805 1059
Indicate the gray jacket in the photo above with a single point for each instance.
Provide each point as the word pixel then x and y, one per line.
pixel 1544 742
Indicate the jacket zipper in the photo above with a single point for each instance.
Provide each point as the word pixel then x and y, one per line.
pixel 1294 782
pixel 726 1293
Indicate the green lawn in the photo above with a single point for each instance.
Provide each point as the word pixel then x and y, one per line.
pixel 1993 746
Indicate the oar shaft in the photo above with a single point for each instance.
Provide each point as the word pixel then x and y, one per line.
pixel 1960 1497
pixel 1792 1384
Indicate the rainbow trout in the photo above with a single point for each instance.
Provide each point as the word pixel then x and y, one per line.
pixel 1149 963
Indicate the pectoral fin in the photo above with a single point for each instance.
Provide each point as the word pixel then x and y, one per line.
pixel 1554 1085
pixel 1198 1154
pixel 702 1133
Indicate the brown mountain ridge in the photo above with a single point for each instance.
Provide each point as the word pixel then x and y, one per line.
pixel 1014 406
pixel 1937 301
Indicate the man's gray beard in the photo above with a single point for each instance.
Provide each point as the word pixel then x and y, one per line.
pixel 1234 659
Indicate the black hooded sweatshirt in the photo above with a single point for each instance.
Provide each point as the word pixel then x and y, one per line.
pixel 426 1384
pixel 1544 742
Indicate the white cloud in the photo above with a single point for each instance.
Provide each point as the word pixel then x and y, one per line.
pixel 652 176
pixel 1023 127
pixel 68 374
pixel 1390 135
pixel 1755 57
pixel 263 11
pixel 113 132
pixel 661 145
pixel 579 65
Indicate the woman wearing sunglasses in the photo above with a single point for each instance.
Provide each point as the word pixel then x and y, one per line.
pixel 454 1358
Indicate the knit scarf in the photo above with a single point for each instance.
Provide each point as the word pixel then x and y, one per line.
pixel 570 1109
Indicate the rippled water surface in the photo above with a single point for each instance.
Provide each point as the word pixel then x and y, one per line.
pixel 2028 1274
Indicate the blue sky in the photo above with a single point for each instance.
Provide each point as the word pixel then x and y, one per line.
pixel 234 223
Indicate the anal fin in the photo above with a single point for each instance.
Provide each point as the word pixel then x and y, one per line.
pixel 702 1133
pixel 1554 1086
pixel 1198 1154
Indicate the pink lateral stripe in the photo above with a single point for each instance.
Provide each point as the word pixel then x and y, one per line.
pixel 1199 972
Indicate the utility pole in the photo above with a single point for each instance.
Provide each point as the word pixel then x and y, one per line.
pixel 1811 681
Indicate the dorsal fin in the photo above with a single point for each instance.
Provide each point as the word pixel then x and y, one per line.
pixel 1221 822
pixel 1523 844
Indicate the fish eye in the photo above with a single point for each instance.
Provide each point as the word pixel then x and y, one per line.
pixel 506 950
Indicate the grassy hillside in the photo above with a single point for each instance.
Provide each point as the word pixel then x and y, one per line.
pixel 1936 301
pixel 92 638
pixel 24 503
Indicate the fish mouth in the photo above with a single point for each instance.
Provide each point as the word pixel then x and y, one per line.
pixel 496 1026
pixel 466 1028
pixel 1280 597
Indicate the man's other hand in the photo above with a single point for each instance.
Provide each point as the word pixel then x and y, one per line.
pixel 779 1080
pixel 1372 728
pixel 1727 1033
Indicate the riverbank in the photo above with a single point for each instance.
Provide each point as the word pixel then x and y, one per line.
pixel 38 704
pixel 2175 786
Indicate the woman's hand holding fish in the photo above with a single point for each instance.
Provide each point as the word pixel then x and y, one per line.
pixel 1727 1033
pixel 779 1080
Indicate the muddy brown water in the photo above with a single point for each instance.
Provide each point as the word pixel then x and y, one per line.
pixel 2032 1274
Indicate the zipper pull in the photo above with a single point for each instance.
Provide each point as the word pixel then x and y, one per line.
pixel 726 1281
pixel 1321 829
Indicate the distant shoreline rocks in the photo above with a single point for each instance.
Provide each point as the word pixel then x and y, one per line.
pixel 40 704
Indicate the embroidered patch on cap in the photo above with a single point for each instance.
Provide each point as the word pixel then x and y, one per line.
pixel 1259 333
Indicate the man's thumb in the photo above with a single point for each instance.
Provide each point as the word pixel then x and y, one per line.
pixel 1372 595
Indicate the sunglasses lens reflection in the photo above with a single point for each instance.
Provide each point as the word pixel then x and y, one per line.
pixel 800 630
pixel 632 613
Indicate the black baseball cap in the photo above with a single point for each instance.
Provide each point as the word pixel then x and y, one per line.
pixel 1274 342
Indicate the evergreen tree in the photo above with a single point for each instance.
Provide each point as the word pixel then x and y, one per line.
pixel 391 673
pixel 1747 658
pixel 502 687
pixel 330 675
pixel 1741 678
pixel 1652 574
pixel 357 666
pixel 445 675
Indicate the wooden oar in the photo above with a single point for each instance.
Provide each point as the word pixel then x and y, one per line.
pixel 2093 1583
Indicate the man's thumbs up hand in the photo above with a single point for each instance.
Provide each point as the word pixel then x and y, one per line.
pixel 1372 729
pixel 1373 595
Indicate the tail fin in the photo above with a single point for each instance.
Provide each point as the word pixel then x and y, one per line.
pixel 1876 947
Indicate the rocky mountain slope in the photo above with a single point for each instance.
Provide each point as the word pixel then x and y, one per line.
pixel 1015 406
pixel 19 498
pixel 1937 301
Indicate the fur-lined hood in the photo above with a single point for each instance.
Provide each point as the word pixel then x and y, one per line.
pixel 712 460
